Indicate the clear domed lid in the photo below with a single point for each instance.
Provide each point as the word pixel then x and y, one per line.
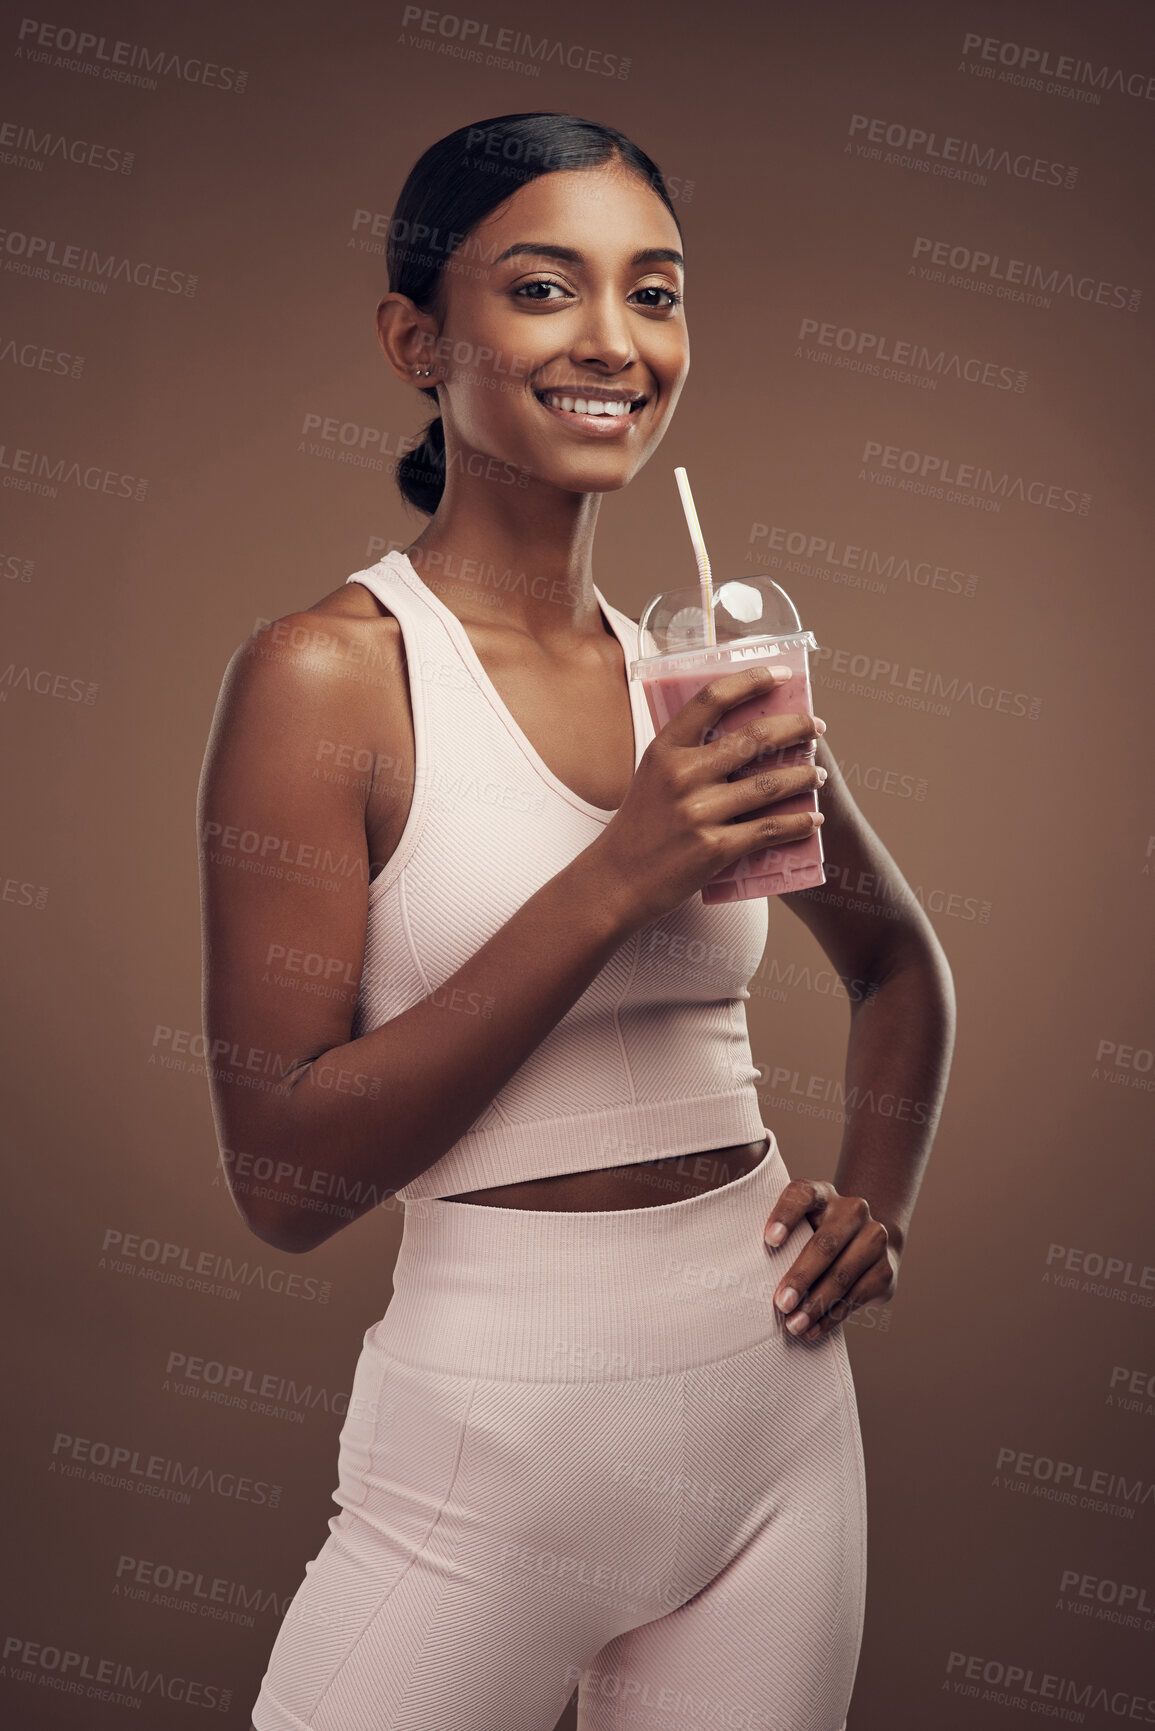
pixel 747 608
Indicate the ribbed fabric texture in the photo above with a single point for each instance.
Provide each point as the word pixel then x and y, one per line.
pixel 581 1450
pixel 546 1296
pixel 654 1058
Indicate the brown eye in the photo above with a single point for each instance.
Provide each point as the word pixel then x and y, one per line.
pixel 538 283
pixel 674 299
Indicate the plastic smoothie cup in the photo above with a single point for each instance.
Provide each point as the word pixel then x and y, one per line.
pixel 753 622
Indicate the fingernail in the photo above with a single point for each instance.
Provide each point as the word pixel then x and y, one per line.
pixel 776 1233
pixel 799 1324
pixel 819 725
pixel 821 774
pixel 788 1299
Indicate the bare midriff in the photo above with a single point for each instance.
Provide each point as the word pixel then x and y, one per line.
pixel 644 1185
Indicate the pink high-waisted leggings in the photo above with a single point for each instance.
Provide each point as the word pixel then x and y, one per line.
pixel 581 1449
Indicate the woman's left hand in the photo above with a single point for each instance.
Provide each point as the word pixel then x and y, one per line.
pixel 849 1262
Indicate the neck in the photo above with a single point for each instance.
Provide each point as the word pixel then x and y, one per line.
pixel 521 557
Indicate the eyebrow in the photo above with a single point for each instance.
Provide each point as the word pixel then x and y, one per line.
pixel 570 255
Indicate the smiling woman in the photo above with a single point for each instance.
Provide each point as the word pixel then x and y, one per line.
pixel 564 247
pixel 605 1433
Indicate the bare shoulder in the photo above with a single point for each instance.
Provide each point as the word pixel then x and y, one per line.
pixel 352 601
pixel 322 647
pixel 351 612
pixel 332 671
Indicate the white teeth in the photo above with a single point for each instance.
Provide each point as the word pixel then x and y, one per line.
pixel 586 405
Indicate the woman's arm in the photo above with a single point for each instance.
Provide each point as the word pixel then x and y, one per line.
pixel 315 1127
pixel 902 1030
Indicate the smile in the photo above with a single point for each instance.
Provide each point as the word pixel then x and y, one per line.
pixel 599 415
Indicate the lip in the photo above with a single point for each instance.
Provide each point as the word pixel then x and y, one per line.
pixel 600 426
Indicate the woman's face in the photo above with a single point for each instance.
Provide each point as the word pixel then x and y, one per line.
pixel 568 290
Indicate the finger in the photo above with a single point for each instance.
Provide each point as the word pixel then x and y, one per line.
pixel 863 1258
pixel 856 1299
pixel 799 1197
pixel 795 787
pixel 770 741
pixel 837 1227
pixel 706 707
pixel 827 1324
pixel 770 829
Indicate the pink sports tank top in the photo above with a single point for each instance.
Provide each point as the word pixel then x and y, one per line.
pixel 654 1058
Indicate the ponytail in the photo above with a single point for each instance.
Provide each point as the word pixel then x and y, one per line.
pixel 420 474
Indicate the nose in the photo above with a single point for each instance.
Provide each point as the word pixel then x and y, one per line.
pixel 605 338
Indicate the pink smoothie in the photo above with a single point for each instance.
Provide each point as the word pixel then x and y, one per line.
pixel 771 871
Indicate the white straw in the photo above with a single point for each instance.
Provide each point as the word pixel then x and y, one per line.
pixel 700 553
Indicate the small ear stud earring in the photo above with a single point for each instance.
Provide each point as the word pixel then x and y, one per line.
pixel 422 372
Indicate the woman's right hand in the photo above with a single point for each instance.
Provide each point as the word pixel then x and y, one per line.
pixel 671 833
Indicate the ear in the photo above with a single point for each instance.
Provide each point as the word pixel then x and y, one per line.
pixel 407 337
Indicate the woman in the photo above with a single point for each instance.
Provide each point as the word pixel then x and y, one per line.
pixel 606 1431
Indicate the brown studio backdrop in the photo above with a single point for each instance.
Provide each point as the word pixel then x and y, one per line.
pixel 1028 838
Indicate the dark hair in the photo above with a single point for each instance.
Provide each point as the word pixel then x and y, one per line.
pixel 454 186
